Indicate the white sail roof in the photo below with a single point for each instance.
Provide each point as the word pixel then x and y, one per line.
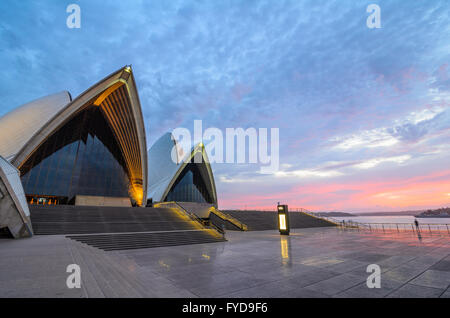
pixel 161 167
pixel 163 170
pixel 24 129
pixel 20 124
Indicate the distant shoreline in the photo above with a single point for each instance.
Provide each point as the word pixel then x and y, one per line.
pixel 432 216
pixel 380 213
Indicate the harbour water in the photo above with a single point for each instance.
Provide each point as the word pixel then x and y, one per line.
pixel 393 219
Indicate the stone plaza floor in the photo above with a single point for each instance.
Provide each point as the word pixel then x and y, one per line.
pixel 316 262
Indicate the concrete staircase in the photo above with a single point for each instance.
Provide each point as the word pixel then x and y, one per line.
pixel 199 209
pixel 112 275
pixel 127 241
pixel 262 220
pixel 222 220
pixel 69 219
pixel 121 228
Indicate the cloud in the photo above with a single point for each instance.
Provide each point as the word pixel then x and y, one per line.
pixel 340 93
pixel 372 163
pixel 411 128
pixel 308 173
pixel 368 138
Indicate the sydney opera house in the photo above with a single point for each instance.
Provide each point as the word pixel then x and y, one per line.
pixel 92 151
pixel 76 176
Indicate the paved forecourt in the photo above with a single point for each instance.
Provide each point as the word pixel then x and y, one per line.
pixel 315 262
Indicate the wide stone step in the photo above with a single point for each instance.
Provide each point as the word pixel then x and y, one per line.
pixel 57 220
pixel 124 241
pixel 58 228
pixel 261 220
pixel 110 274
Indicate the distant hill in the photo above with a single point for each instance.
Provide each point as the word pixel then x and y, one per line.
pixel 337 214
pixel 413 213
pixel 439 213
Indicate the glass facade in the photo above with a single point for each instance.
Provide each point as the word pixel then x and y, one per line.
pixel 192 185
pixel 81 158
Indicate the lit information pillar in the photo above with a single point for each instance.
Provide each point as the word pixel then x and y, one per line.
pixel 283 219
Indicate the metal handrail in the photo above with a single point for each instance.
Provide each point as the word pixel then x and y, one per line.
pixel 230 219
pixel 399 227
pixel 192 216
pixel 328 219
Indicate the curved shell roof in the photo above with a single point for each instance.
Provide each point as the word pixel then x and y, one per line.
pixel 117 97
pixel 161 167
pixel 163 171
pixel 19 125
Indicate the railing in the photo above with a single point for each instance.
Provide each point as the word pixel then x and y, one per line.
pixel 271 209
pixel 204 223
pixel 230 219
pixel 402 227
pixel 374 227
pixel 398 227
pixel 191 216
pixel 301 210
pixel 328 219
pixel 291 210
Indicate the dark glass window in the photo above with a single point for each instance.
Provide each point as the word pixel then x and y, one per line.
pixel 192 185
pixel 82 157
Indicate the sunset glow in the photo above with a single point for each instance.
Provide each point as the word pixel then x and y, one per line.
pixel 363 114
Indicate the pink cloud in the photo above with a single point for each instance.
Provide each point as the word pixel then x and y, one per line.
pixel 417 192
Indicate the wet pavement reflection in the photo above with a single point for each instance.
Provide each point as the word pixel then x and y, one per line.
pixel 314 262
pixel 309 262
pixel 285 249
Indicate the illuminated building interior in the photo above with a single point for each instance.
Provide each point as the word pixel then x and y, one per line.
pixel 191 185
pixel 188 178
pixel 92 146
pixel 81 158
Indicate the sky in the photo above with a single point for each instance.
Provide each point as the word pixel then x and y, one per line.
pixel 363 114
